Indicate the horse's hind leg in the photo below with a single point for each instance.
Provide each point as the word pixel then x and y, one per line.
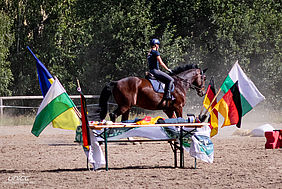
pixel 124 118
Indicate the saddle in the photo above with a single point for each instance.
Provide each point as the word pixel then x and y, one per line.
pixel 157 85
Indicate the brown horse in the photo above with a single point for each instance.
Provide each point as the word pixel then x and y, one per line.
pixel 134 91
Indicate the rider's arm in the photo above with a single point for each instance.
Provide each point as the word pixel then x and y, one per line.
pixel 162 63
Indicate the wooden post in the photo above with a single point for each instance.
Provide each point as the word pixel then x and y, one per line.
pixel 1 108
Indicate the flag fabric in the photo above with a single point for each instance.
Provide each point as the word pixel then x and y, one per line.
pixel 210 94
pixel 148 120
pixel 69 119
pixel 250 95
pixel 85 125
pixel 230 107
pixel 57 107
pixel 213 120
pixel 44 77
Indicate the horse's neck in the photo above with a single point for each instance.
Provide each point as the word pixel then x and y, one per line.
pixel 185 79
pixel 187 75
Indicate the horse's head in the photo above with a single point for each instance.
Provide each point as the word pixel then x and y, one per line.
pixel 198 81
pixel 192 76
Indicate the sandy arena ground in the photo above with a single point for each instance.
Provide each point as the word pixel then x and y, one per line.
pixel 53 160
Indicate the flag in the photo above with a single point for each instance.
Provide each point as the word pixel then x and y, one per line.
pixel 57 107
pixel 250 95
pixel 85 125
pixel 213 120
pixel 230 107
pixel 147 120
pixel 45 81
pixel 44 77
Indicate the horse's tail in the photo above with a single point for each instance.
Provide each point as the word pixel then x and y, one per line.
pixel 103 100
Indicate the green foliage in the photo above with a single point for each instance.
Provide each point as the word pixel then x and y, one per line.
pixel 103 40
pixel 118 44
pixel 251 33
pixel 6 40
pixel 172 51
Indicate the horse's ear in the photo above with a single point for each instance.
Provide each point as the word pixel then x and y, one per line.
pixel 205 70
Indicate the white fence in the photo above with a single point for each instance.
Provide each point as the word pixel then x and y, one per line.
pixel 2 99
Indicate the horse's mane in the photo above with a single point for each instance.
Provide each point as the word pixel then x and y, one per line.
pixel 184 68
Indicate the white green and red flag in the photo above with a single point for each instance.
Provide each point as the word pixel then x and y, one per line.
pixel 250 95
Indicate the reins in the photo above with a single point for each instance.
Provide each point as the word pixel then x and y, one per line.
pixel 191 85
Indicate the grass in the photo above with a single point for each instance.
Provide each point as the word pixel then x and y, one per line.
pixel 9 120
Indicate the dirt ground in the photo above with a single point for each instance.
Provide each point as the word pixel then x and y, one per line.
pixel 53 160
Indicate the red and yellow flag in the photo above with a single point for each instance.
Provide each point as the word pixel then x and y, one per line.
pixel 230 107
pixel 147 120
pixel 85 124
pixel 213 120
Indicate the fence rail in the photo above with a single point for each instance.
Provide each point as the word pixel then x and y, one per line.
pixel 2 106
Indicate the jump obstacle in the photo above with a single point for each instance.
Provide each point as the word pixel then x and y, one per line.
pixel 175 143
pixel 273 139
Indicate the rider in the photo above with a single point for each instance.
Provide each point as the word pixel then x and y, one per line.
pixel 154 60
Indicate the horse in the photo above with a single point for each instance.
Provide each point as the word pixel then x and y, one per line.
pixel 135 91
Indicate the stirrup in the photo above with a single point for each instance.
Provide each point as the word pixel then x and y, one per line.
pixel 167 96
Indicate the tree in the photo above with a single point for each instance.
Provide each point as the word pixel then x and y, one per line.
pixel 103 40
pixel 120 41
pixel 251 32
pixel 6 40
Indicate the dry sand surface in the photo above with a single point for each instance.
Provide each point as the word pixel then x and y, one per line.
pixel 53 160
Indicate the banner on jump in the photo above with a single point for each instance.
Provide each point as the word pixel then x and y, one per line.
pixel 197 142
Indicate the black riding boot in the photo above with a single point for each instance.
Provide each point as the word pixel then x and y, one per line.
pixel 167 94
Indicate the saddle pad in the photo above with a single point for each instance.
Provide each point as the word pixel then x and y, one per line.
pixel 159 86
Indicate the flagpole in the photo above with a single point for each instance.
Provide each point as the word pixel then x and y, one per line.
pixel 31 52
pixel 201 110
pixel 78 85
pixel 75 108
pixel 214 98
pixel 77 111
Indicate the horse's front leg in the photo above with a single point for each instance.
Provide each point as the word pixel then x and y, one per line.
pixel 178 112
pixel 169 113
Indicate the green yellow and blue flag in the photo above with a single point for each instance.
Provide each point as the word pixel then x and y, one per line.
pixel 44 76
pixel 56 107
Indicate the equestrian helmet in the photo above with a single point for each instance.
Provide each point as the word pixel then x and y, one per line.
pixel 154 42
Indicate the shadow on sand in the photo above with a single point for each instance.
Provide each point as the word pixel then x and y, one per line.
pixel 85 169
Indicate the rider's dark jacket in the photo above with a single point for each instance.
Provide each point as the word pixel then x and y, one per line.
pixel 154 68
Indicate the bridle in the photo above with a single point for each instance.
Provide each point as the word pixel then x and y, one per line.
pixel 191 85
pixel 202 88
